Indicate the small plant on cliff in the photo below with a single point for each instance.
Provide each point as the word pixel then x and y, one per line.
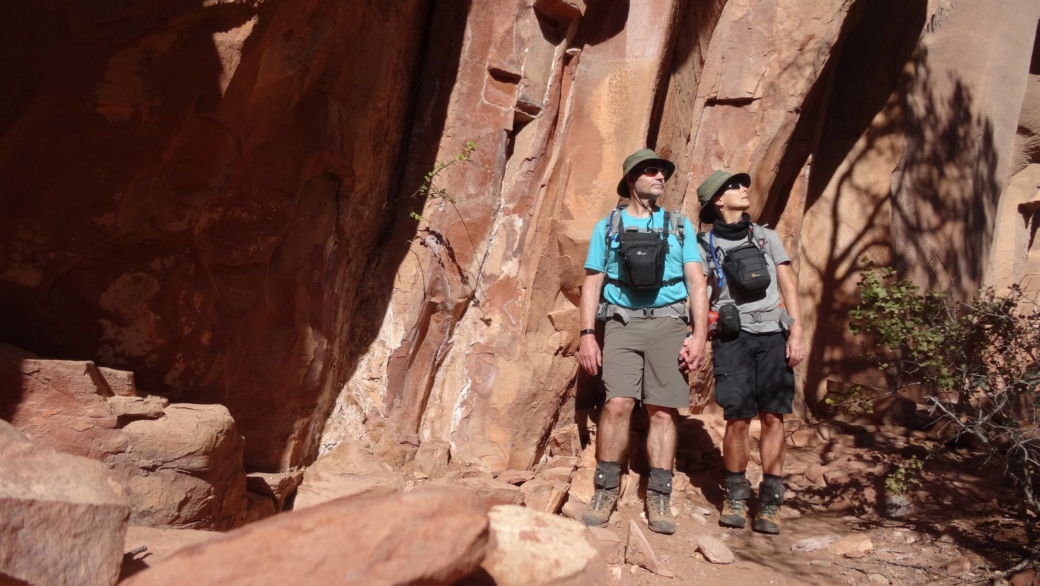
pixel 429 188
pixel 979 360
pixel 430 237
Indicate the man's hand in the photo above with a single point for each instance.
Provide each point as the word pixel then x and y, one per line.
pixel 692 353
pixel 589 355
pixel 795 346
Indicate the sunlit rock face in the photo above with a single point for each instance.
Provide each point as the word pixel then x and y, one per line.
pixel 228 198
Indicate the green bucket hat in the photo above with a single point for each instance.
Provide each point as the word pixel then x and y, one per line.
pixel 635 159
pixel 711 187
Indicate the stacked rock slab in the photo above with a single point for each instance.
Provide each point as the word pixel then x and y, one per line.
pixel 62 518
pixel 180 465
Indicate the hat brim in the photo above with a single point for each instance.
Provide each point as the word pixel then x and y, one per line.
pixel 706 215
pixel 744 178
pixel 622 186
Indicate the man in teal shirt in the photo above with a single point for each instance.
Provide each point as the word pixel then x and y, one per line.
pixel 650 340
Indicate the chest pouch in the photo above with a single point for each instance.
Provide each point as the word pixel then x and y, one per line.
pixel 642 254
pixel 746 269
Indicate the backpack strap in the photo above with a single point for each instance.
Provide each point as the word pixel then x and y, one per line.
pixel 760 242
pixel 677 222
pixel 614 227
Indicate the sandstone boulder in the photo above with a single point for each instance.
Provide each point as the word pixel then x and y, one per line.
pixel 180 465
pixel 160 543
pixel 493 492
pixel 611 546
pixel 544 495
pixel 62 518
pixel 427 536
pixel 351 469
pixel 517 477
pixel 638 552
pixel 534 548
pixel 714 550
pixel 185 469
pixel 279 486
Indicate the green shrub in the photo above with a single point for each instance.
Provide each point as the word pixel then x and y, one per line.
pixel 977 359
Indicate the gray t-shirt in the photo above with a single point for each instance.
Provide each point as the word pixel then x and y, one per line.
pixel 769 241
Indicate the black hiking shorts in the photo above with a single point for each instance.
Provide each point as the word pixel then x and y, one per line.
pixel 752 375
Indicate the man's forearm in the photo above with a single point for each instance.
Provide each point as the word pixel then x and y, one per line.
pixel 697 300
pixel 590 293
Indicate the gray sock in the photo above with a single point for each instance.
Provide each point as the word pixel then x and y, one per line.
pixel 771 490
pixel 660 480
pixel 737 486
pixel 608 474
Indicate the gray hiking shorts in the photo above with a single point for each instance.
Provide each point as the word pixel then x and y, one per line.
pixel 641 360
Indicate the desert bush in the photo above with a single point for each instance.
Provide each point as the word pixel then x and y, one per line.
pixel 979 361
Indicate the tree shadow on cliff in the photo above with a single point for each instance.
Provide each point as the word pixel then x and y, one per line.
pixel 881 104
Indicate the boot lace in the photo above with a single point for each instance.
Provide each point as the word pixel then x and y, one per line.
pixel 660 503
pixel 602 499
pixel 739 507
pixel 770 510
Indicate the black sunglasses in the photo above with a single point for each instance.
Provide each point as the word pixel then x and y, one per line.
pixel 654 171
pixel 733 184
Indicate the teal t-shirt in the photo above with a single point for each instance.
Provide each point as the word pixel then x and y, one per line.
pixel 673 264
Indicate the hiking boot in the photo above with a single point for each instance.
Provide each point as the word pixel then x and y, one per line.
pixel 770 497
pixel 659 512
pixel 734 509
pixel 767 519
pixel 734 514
pixel 598 511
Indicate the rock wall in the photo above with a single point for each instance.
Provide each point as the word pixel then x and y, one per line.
pixel 233 200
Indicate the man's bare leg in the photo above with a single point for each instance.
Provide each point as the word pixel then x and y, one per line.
pixel 661 452
pixel 611 441
pixel 613 429
pixel 661 440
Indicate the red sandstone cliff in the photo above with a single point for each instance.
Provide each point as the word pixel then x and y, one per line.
pixel 220 196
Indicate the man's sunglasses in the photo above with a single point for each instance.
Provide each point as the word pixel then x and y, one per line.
pixel 654 171
pixel 733 184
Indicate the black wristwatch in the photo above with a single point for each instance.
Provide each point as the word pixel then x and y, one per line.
pixel 587 331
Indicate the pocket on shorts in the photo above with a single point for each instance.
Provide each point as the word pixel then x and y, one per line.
pixel 720 383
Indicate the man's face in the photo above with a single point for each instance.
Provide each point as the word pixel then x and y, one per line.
pixel 648 181
pixel 735 197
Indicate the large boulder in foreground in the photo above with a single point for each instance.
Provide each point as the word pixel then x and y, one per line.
pixel 533 548
pixel 62 519
pixel 429 536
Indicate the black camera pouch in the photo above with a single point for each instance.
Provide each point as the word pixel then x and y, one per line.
pixel 642 255
pixel 746 269
pixel 729 320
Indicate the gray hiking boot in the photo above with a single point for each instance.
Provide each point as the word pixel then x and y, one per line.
pixel 659 512
pixel 598 511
